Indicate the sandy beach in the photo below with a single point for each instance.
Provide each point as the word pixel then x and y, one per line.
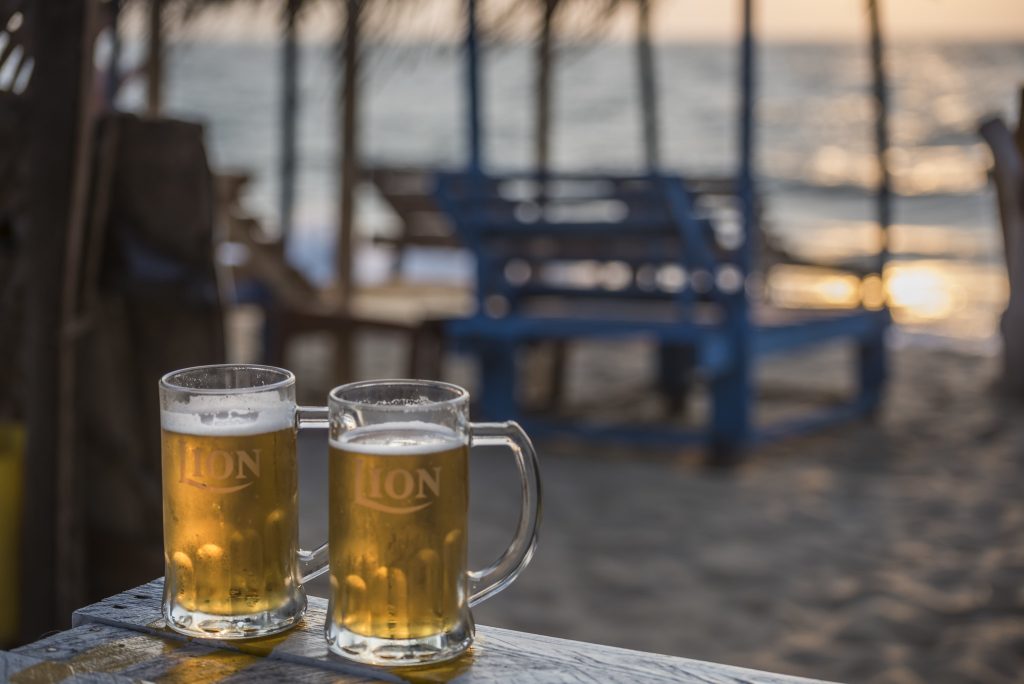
pixel 875 552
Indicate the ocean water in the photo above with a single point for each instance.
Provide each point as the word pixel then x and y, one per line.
pixel 814 142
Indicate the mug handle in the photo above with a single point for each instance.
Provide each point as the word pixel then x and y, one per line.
pixel 312 563
pixel 487 582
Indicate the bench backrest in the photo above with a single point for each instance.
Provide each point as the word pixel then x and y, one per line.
pixel 596 237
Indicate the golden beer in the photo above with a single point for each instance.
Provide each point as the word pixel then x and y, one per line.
pixel 398 509
pixel 230 521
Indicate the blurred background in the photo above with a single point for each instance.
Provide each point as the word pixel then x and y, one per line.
pixel 187 182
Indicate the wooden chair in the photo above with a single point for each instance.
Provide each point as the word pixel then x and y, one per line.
pixel 421 222
pixel 149 304
pixel 259 274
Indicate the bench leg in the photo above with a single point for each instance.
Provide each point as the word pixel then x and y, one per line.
pixel 872 370
pixel 344 351
pixel 675 365
pixel 426 351
pixel 277 332
pixel 556 388
pixel 730 421
pixel 498 381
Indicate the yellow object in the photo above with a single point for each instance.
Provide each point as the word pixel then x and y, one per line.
pixel 12 453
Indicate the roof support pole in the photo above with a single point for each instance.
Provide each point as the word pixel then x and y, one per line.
pixel 289 116
pixel 545 66
pixel 349 157
pixel 745 180
pixel 473 124
pixel 881 101
pixel 348 171
pixel 648 91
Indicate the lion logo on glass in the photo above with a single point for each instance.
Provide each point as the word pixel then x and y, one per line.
pixel 232 471
pixel 396 489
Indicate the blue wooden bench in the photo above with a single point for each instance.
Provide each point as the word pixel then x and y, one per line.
pixel 566 257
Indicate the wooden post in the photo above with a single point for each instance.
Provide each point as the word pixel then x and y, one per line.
pixel 155 59
pixel 52 130
pixel 748 116
pixel 349 161
pixel 473 125
pixel 542 141
pixel 884 191
pixel 70 508
pixel 289 115
pixel 648 91
pixel 349 172
pixel 731 393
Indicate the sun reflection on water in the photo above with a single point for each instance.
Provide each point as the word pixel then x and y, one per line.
pixel 922 292
pixel 958 299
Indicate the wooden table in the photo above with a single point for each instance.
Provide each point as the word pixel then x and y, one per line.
pixel 123 639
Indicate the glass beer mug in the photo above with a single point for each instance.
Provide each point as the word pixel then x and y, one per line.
pixel 233 568
pixel 399 499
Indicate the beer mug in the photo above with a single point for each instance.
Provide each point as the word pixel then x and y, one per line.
pixel 399 499
pixel 230 495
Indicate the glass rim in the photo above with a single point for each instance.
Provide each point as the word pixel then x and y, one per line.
pixel 459 394
pixel 287 379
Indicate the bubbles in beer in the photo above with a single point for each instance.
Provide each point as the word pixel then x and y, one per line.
pixel 231 530
pixel 182 575
pixel 399 504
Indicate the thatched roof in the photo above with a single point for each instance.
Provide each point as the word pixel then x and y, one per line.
pixel 501 19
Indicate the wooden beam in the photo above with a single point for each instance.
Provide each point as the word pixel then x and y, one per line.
pixel 52 133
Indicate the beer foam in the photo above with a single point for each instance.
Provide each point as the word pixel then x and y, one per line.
pixel 399 439
pixel 232 416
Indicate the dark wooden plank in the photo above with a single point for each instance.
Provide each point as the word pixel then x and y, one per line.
pixel 499 655
pixel 136 656
pixel 16 668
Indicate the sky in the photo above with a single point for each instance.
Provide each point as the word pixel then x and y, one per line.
pixel 814 20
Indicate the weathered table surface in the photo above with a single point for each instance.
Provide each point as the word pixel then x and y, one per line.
pixel 123 639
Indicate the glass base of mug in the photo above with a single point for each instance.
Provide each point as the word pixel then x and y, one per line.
pixel 195 623
pixel 399 652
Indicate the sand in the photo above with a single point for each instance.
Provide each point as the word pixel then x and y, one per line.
pixel 890 551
